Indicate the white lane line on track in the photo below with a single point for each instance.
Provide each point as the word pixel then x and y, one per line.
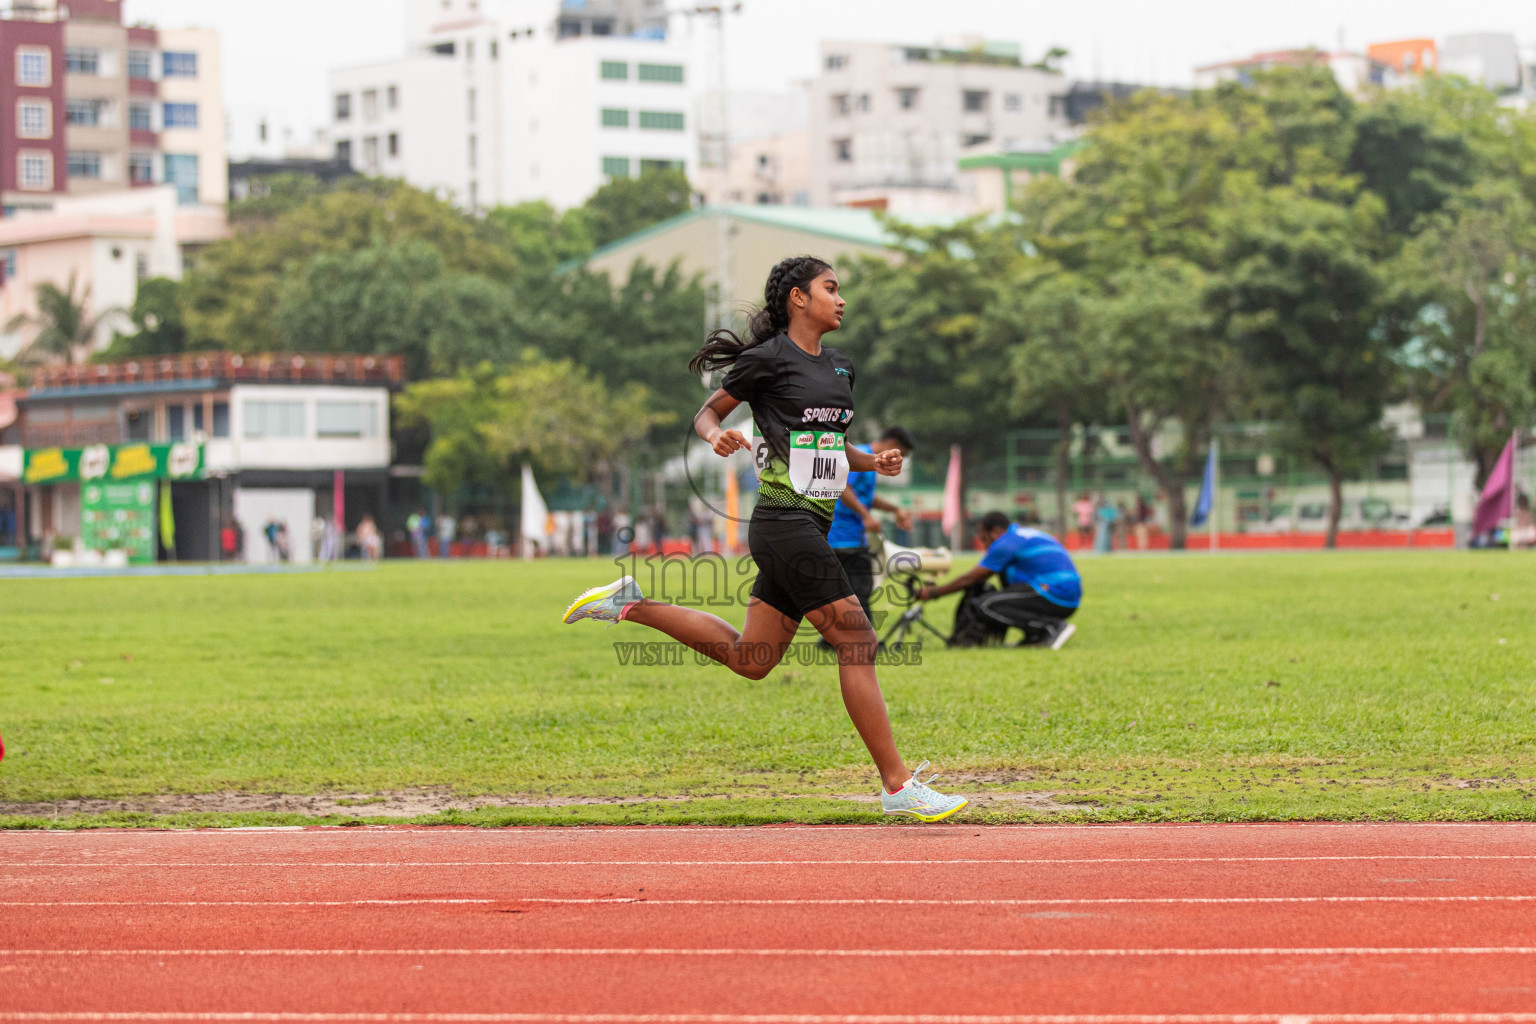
pixel 802 1018
pixel 628 901
pixel 1234 951
pixel 447 832
pixel 842 862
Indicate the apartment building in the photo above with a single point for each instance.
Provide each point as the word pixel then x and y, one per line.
pixel 889 123
pixel 91 105
pixel 522 100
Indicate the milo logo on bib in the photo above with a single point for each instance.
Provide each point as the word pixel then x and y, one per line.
pixel 818 463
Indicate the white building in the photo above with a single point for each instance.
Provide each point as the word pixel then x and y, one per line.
pixel 889 123
pixel 500 103
pixel 1353 71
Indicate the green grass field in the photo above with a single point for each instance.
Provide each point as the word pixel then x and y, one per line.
pixel 1264 687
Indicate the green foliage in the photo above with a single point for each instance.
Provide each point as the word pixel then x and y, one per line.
pixel 555 415
pixel 156 313
pixel 1472 274
pixel 626 205
pixel 65 327
pixel 275 195
pixel 232 299
pixel 915 332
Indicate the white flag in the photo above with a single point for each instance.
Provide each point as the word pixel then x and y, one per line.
pixel 535 515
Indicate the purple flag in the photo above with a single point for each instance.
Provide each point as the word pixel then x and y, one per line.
pixel 1497 499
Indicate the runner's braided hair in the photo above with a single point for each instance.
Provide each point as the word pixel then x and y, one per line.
pixel 723 346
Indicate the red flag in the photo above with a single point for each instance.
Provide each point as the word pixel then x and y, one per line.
pixel 951 515
pixel 1498 493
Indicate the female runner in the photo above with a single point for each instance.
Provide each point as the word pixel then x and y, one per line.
pixel 801 396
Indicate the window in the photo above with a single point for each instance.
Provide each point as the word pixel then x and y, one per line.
pixel 7 264
pixel 137 423
pixel 906 99
pixel 614 118
pixel 837 61
pixel 661 120
pixel 841 105
pixel 178 65
pixel 34 119
pixel 266 419
pixel 140 265
pixel 197 418
pixel 175 422
pixel 181 171
pixel 973 101
pixel 616 166
pixel 140 63
pixel 34 65
pixel 371 153
pixel 976 140
pixel 180 115
pixel 615 70
pixel 842 150
pixel 394 144
pixel 83 112
pixel 470 105
pixel 1012 101
pixel 220 419
pixel 660 73
pixel 370 104
pixel 141 117
pixel 474 151
pixel 344 150
pixel 81 60
pixel 392 97
pixel 35 169
pixel 647 166
pixel 343 106
pixel 346 419
pixel 84 163
pixel 141 168
pixel 474 195
pixel 469 49
pixel 862 106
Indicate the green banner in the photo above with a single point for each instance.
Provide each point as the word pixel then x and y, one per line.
pixel 180 461
pixel 120 515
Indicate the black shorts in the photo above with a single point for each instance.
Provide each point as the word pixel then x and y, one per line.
pixel 797 570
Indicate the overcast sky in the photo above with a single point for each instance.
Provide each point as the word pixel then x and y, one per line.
pixel 277 52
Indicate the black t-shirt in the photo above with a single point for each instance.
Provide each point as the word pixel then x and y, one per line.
pixel 802 405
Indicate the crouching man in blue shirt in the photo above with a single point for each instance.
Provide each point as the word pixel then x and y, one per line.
pixel 1041 588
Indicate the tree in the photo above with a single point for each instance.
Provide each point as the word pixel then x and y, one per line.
pixel 553 414
pixel 66 330
pixel 1308 304
pixel 914 332
pixel 232 298
pixel 156 313
pixel 626 205
pixel 274 195
pixel 1471 272
pixel 1054 364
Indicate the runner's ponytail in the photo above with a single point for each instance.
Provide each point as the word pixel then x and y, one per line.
pixel 723 345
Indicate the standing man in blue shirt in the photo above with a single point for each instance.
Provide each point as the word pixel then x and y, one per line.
pixel 853 517
pixel 1041 588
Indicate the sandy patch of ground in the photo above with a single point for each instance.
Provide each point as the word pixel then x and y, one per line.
pixel 412 803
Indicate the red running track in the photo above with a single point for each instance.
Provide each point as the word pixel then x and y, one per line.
pixel 1205 924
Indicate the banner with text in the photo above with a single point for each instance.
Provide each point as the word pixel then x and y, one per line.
pixel 180 461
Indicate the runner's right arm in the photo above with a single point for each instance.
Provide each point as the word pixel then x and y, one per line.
pixel 707 424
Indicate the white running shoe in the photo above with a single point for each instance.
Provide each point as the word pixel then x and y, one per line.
pixel 604 603
pixel 1062 636
pixel 916 799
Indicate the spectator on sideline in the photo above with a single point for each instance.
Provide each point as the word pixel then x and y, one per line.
pixel 1082 508
pixel 416 526
pixel 447 530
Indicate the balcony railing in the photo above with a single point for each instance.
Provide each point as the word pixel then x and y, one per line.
pixel 228 368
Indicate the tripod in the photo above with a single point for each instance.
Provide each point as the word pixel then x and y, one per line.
pixel 910 618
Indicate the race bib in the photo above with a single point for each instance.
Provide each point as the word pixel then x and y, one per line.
pixel 818 463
